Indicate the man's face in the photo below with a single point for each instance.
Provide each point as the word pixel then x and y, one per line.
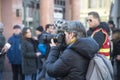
pixel 17 31
pixel 68 37
pixel 93 22
pixel 51 29
pixel 110 26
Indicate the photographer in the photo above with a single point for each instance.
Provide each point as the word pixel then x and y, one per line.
pixel 73 62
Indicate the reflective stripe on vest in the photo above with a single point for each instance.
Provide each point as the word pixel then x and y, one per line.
pixel 104 50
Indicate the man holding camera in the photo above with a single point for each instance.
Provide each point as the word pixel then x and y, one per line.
pixel 72 63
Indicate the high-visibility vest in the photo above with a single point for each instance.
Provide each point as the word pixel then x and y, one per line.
pixel 105 49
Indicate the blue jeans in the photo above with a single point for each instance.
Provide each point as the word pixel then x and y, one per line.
pixel 38 75
pixel 28 77
pixel 0 75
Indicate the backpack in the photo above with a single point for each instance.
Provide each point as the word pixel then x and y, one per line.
pixel 42 48
pixel 100 68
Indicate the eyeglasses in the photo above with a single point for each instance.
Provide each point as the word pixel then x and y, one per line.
pixel 89 20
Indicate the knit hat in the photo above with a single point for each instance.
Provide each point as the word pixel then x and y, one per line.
pixel 16 27
pixel 111 22
pixel 40 28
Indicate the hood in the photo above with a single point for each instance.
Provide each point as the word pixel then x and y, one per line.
pixel 86 47
pixel 105 27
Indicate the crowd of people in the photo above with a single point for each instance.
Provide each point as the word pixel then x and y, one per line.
pixel 61 51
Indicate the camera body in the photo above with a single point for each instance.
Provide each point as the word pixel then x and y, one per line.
pixel 58 38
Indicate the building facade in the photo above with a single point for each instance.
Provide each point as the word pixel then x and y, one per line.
pixel 115 12
pixel 32 13
pixel 100 6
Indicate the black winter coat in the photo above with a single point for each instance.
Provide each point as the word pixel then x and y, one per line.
pixel 72 64
pixel 116 48
pixel 2 42
pixel 29 63
pixel 42 41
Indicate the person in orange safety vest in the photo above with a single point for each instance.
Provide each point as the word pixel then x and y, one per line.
pixel 98 33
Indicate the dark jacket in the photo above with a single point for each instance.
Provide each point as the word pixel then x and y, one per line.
pixel 43 39
pixel 116 48
pixel 14 53
pixel 73 62
pixel 2 42
pixel 29 63
pixel 105 27
pixel 44 49
pixel 99 36
pixel 116 63
pixel 116 43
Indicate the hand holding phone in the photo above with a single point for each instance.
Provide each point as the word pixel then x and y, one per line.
pixel 2 52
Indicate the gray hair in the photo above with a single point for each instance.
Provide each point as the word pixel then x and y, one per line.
pixel 95 15
pixel 76 27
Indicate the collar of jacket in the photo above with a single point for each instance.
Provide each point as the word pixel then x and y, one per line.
pixel 17 35
pixel 94 28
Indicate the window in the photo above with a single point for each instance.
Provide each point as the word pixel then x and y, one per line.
pixel 59 11
pixel 96 3
pixel 92 3
pixel 59 2
pixel 101 3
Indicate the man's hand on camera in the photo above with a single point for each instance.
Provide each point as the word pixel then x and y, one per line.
pixel 52 43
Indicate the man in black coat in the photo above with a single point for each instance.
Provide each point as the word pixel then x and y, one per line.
pixel 73 62
pixel 2 42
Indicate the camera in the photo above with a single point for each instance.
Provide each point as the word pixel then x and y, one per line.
pixel 58 38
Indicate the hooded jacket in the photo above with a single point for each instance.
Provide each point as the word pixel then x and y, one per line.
pixel 72 64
